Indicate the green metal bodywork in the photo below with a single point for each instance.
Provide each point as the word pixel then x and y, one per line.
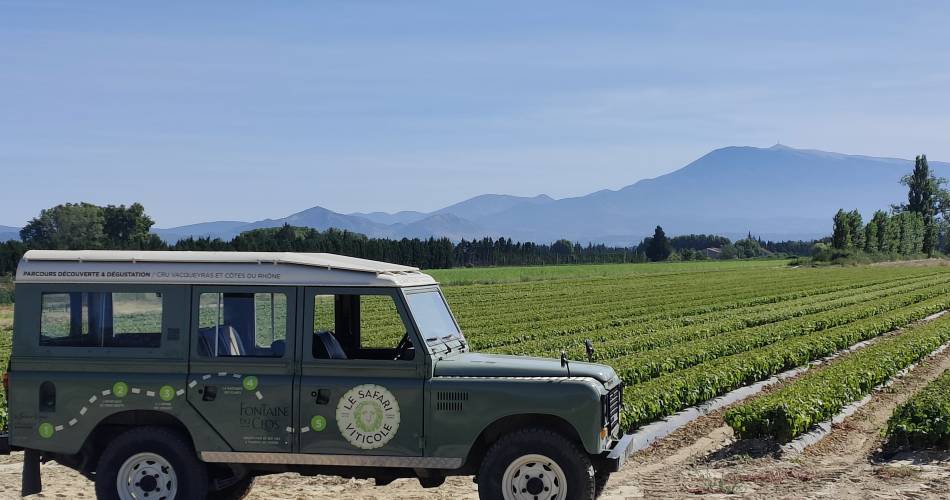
pixel 290 404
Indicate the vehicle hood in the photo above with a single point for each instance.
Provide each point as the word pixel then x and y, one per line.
pixel 473 364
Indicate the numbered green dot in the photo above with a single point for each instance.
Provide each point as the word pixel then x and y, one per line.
pixel 46 430
pixel 120 389
pixel 318 423
pixel 250 383
pixel 167 393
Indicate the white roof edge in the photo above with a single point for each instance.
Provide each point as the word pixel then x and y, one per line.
pixel 317 260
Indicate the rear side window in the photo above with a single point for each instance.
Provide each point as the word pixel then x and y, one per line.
pixel 101 319
pixel 242 324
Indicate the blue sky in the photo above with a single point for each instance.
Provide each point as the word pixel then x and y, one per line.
pixel 236 110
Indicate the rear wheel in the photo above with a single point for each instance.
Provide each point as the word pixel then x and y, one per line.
pixel 150 463
pixel 533 464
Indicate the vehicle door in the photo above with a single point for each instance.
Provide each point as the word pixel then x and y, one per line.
pixel 241 369
pixel 361 385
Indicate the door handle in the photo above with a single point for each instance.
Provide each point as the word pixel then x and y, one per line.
pixel 321 396
pixel 209 392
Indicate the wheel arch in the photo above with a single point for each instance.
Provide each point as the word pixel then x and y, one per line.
pixel 107 428
pixel 511 423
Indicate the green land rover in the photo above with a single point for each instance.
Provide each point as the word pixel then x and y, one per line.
pixel 183 375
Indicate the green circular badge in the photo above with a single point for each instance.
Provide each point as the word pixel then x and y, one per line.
pixel 46 430
pixel 167 393
pixel 250 383
pixel 120 389
pixel 318 423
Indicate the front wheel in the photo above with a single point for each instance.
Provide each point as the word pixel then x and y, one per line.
pixel 534 464
pixel 151 463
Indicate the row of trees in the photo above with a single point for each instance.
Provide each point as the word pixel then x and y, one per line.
pixel 914 228
pixel 659 247
pixel 431 253
pixel 902 233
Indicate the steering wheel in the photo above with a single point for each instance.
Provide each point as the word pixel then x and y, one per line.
pixel 404 348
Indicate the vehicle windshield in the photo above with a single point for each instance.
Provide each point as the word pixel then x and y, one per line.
pixel 433 318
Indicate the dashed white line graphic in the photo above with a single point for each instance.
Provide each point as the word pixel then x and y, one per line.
pixel 46 430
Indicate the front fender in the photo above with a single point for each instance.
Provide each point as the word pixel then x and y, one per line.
pixel 461 408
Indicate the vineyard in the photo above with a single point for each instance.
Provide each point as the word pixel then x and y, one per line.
pixel 681 334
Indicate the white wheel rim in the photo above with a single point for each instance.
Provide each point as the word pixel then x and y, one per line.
pixel 534 477
pixel 146 476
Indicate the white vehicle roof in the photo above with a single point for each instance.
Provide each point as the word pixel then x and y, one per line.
pixel 238 268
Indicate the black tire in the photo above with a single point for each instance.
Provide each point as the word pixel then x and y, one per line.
pixel 236 491
pixel 571 458
pixel 170 445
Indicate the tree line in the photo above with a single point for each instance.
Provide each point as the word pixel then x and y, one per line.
pixel 659 247
pixel 430 253
pixel 918 227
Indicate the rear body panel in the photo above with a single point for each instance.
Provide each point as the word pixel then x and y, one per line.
pixel 58 395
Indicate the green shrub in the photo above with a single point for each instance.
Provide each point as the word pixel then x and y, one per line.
pixel 6 290
pixel 924 420
pixel 821 393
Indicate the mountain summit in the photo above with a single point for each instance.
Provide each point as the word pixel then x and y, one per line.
pixel 777 193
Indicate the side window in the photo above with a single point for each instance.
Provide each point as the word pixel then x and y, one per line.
pixel 366 326
pixel 242 324
pixel 101 319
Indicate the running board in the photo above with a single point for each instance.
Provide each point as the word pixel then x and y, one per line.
pixel 234 457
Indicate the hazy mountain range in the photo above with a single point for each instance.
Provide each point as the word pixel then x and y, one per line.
pixel 775 193
pixel 9 233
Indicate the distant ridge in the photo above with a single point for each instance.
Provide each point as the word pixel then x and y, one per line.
pixel 9 233
pixel 777 193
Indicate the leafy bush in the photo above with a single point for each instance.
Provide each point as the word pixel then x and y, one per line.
pixel 820 394
pixel 6 291
pixel 924 420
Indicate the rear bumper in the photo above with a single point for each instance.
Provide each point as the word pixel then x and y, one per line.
pixel 617 456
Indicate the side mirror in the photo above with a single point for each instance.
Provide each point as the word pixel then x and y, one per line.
pixel 589 347
pixel 565 363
